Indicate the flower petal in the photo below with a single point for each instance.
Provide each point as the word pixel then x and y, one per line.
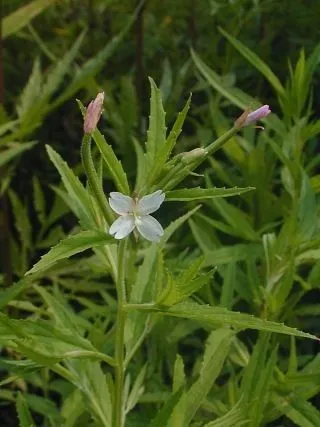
pixel 258 114
pixel 122 226
pixel 149 228
pixel 150 203
pixel 120 203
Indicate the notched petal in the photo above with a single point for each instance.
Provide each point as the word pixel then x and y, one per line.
pixel 149 228
pixel 150 203
pixel 122 226
pixel 121 203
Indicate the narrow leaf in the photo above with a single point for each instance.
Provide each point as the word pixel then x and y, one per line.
pixel 188 194
pixel 213 316
pixel 256 62
pixel 22 16
pixel 25 419
pixel 157 127
pixel 70 246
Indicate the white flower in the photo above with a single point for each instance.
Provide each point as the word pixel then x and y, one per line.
pixel 135 213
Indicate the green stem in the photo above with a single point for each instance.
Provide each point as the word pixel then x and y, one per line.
pixel 181 170
pixel 97 190
pixel 119 345
pixel 218 143
pixel 149 306
pixel 93 177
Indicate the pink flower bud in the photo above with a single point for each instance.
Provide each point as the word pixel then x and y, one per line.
pixel 93 113
pixel 248 118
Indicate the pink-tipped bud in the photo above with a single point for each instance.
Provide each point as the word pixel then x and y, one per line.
pixel 247 118
pixel 93 113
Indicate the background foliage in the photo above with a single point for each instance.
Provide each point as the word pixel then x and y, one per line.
pixel 229 275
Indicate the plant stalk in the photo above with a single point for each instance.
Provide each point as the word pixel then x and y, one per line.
pixel 119 345
pixel 180 171
pixel 93 179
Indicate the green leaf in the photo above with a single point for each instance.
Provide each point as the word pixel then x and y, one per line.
pixel 238 252
pixel 90 379
pixel 63 315
pixel 261 66
pixel 157 126
pixel 7 295
pixel 114 166
pixel 78 197
pixel 257 379
pixel 57 74
pixel 32 90
pixel 234 95
pixel 8 126
pixel 313 60
pixel 163 416
pixel 228 286
pixel 70 246
pixel 72 409
pixel 298 410
pixel 39 200
pixel 45 344
pixel 24 228
pixel 188 194
pixel 22 16
pixel 137 389
pixel 25 419
pixel 213 316
pixel 179 377
pixel 174 225
pixel 186 284
pixel 307 213
pixel 217 348
pixel 236 218
pixel 166 149
pixel 94 65
pixel 14 149
pixel 142 167
pixel 237 416
pixel 44 406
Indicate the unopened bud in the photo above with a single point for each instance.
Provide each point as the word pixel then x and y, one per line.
pixel 189 156
pixel 93 113
pixel 247 118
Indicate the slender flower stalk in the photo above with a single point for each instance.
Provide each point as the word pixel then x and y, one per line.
pixel 93 179
pixel 118 412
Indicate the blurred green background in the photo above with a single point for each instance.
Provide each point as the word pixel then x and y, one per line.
pixel 265 244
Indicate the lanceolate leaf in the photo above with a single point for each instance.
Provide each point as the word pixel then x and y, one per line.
pixel 12 292
pixel 14 150
pixel 163 416
pixel 256 62
pixel 157 127
pixel 217 349
pixel 236 96
pixel 95 64
pixel 188 194
pixel 25 419
pixel 165 150
pixel 22 16
pixel 70 246
pixel 114 166
pixel 213 316
pixel 76 192
pixel 237 416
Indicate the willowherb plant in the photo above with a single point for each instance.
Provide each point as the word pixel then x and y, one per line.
pixel 146 290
